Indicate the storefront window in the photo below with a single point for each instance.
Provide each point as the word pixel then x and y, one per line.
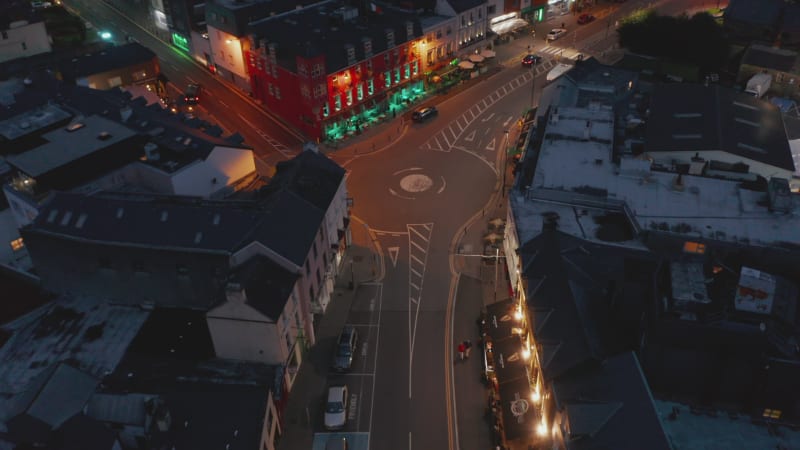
pixel 349 97
pixel 388 76
pixel 406 71
pixel 397 75
pixel 325 110
pixel 360 93
pixel 337 102
pixel 370 86
pixel 415 68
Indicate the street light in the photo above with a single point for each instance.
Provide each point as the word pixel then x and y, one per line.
pixel 505 161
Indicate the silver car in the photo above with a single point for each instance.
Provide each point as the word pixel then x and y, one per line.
pixel 336 408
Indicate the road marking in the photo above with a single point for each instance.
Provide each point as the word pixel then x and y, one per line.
pixel 416 299
pixel 444 185
pixel 282 149
pixel 419 261
pixel 375 361
pixel 224 104
pixel 470 137
pixel 416 245
pixel 191 80
pixel 487 118
pixel 415 272
pixel 510 118
pixel 419 234
pixel 393 252
pixel 490 146
pixel 410 169
pixel 393 192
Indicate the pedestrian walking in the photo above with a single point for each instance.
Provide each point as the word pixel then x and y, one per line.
pixel 467 347
pixel 461 349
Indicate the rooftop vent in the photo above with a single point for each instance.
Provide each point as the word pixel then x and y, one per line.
pixel 104 136
pixel 151 151
pixel 75 126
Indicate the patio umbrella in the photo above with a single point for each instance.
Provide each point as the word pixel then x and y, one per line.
pixel 493 238
pixel 466 65
pixel 476 58
pixel 497 222
pixel 488 53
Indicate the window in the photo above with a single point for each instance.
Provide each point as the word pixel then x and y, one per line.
pixel 5 34
pixel 370 86
pixel 349 95
pixel 438 34
pixel 772 413
pixel 388 77
pixel 325 110
pixel 337 102
pixel 319 90
pixel 271 89
pixel 114 82
pixel 277 92
pixel 288 338
pixel 351 54
pixel 694 247
pixel 17 244
pixel 314 248
pixel 305 91
pixel 308 269
pixel 449 30
pixel 369 65
pixel 302 69
pixel 360 91
pixel 480 13
pixel 316 71
pixel 367 47
pixel 415 67
pixel 319 277
pixel 406 71
pixel 463 21
pixel 490 9
pixel 397 75
pixel 311 293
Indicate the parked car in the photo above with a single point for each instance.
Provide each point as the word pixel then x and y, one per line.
pixel 336 443
pixel 336 408
pixel 192 94
pixel 585 18
pixel 424 114
pixel 556 33
pixel 345 349
pixel 530 60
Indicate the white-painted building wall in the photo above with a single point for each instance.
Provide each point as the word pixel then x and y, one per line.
pixel 226 50
pixel 223 167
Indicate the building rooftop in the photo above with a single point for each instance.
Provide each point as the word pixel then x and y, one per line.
pixel 91 334
pixel 760 12
pixel 610 406
pixel 71 143
pixel 330 34
pixel 693 118
pixel 775 58
pixel 125 409
pixel 83 433
pixel 575 179
pixel 108 59
pixel 267 285
pixel 311 175
pixel 32 121
pixel 50 398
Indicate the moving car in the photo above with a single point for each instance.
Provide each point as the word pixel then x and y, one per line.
pixel 424 114
pixel 345 349
pixel 556 33
pixel 530 60
pixel 336 408
pixel 585 18
pixel 192 94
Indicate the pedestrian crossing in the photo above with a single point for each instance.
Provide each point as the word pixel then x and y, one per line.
pixel 445 139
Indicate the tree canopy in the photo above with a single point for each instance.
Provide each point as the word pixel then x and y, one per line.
pixel 696 40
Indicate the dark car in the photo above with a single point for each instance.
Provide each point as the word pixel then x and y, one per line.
pixel 585 18
pixel 192 94
pixel 345 349
pixel 530 60
pixel 424 114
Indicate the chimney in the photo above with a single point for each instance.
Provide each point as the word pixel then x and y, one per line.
pixel 125 113
pixel 587 130
pixel 234 293
pixel 151 151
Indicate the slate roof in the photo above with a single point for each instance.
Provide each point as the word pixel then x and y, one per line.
pixel 215 416
pixel 460 6
pixel 770 58
pixel 610 406
pixel 325 36
pixel 53 397
pixel 556 321
pixel 127 409
pixel 694 118
pixel 267 285
pixel 761 12
pixel 108 59
pixel 311 175
pixel 283 222
pixel 63 146
pixel 83 433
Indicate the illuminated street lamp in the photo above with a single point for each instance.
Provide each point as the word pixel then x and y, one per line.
pixel 105 35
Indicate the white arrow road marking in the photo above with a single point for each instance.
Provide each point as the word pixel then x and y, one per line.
pixel 490 146
pixel 393 252
pixel 470 137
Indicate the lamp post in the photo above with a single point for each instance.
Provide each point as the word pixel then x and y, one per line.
pixel 505 161
pixel 533 80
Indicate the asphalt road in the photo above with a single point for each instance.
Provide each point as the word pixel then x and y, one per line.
pixel 271 141
pixel 416 197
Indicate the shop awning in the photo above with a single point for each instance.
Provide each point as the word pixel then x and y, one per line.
pixel 508 361
pixel 518 409
pixel 500 319
pixel 508 26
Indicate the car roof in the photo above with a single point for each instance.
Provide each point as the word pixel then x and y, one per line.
pixel 335 393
